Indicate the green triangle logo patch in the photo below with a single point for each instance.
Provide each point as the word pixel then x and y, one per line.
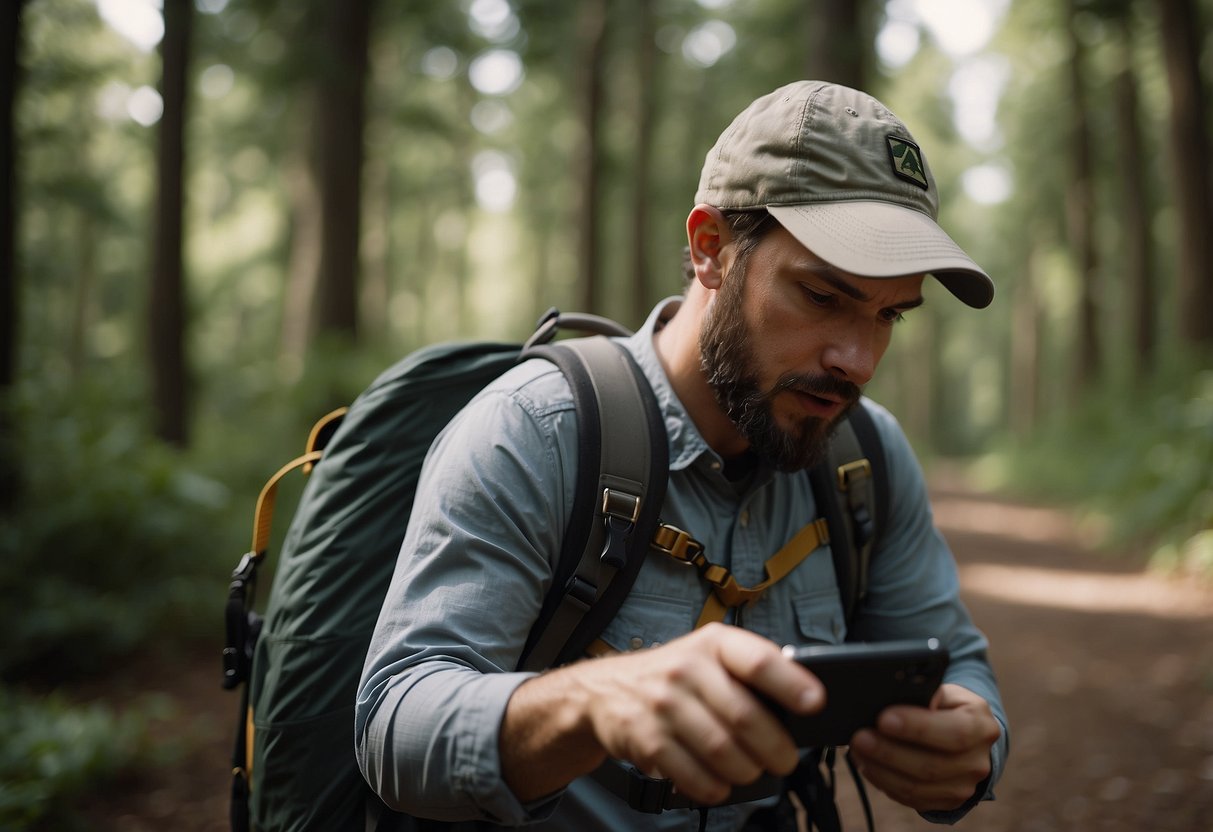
pixel 907 161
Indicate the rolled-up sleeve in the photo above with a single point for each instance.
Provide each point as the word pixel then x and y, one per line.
pixel 470 580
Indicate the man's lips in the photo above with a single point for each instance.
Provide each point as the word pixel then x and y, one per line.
pixel 823 407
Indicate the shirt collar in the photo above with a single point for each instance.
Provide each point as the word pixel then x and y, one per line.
pixel 686 444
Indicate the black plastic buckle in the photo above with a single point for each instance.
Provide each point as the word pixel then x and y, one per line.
pixel 615 550
pixel 581 592
pixel 545 327
pixel 246 569
pixel 648 794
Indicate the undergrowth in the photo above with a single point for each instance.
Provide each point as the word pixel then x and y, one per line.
pixel 1142 462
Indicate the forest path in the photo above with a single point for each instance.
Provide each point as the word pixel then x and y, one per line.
pixel 1106 673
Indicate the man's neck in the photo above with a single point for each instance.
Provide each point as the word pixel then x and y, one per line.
pixel 677 347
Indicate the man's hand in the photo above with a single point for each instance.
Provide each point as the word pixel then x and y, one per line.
pixel 930 759
pixel 686 711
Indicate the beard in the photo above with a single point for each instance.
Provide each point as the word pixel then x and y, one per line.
pixel 731 368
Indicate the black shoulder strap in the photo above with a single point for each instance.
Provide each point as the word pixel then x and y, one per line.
pixel 851 488
pixel 622 468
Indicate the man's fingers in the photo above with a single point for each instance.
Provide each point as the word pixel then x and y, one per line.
pixel 958 723
pixel 750 727
pixel 712 738
pixel 912 790
pixel 759 664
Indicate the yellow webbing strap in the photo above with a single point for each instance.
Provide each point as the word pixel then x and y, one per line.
pixel 726 592
pixel 263 515
pixel 322 431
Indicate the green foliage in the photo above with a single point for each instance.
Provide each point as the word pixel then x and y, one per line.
pixel 113 538
pixel 52 753
pixel 1141 458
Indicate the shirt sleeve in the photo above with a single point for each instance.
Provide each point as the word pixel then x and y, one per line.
pixel 914 592
pixel 470 581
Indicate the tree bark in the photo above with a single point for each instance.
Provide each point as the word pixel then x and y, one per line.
pixel 1081 213
pixel 837 42
pixel 1025 351
pixel 646 103
pixel 592 37
pixel 1190 150
pixel 10 27
pixel 166 310
pixel 341 117
pixel 1136 210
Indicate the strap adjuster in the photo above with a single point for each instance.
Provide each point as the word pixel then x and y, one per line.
pixel 853 471
pixel 620 504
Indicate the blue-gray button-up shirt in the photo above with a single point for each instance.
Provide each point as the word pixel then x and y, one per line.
pixel 491 507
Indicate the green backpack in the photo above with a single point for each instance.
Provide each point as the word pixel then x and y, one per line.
pixel 298 665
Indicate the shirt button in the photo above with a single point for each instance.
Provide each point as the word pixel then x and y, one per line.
pixel 636 643
pixel 744 519
pixel 715 465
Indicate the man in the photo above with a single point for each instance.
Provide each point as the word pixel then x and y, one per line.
pixel 813 233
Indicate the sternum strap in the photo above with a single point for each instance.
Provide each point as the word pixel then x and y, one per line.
pixel 726 592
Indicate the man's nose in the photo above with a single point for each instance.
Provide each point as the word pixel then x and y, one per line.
pixel 852 355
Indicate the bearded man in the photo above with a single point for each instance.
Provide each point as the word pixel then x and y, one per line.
pixel 813 234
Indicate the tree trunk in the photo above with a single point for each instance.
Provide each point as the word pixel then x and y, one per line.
pixel 340 124
pixel 591 36
pixel 646 102
pixel 166 312
pixel 1190 150
pixel 837 42
pixel 1136 210
pixel 10 24
pixel 303 267
pixel 1025 351
pixel 1081 213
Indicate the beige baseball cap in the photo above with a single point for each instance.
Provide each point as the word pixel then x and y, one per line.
pixel 840 172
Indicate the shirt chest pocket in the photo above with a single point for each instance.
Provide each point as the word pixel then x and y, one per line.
pixel 648 621
pixel 818 617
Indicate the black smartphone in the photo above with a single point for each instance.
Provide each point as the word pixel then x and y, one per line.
pixel 861 680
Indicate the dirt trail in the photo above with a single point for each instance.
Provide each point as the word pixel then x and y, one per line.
pixel 1106 672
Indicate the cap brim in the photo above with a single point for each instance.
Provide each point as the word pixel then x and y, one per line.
pixel 879 239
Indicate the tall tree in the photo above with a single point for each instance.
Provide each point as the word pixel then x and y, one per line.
pixel 646 105
pixel 166 312
pixel 1080 206
pixel 322 292
pixel 10 25
pixel 838 43
pixel 1190 150
pixel 591 35
pixel 341 117
pixel 1135 205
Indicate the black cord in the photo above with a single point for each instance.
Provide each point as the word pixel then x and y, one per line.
pixel 863 792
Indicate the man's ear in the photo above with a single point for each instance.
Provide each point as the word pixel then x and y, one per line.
pixel 707 234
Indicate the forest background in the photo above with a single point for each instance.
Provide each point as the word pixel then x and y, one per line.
pixel 221 218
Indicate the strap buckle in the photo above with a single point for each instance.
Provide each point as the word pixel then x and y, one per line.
pixel 620 504
pixel 853 471
pixel 679 545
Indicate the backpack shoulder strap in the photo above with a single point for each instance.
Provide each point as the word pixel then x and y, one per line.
pixel 851 488
pixel 622 468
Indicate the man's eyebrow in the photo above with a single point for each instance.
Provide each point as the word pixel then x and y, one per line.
pixel 858 294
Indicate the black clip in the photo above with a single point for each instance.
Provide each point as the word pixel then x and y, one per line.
pixel 648 794
pixel 614 551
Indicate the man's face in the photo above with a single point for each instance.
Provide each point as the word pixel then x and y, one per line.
pixel 789 341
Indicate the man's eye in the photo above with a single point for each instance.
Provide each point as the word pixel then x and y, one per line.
pixel 892 316
pixel 819 298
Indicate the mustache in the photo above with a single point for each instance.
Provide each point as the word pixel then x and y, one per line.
pixel 823 385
